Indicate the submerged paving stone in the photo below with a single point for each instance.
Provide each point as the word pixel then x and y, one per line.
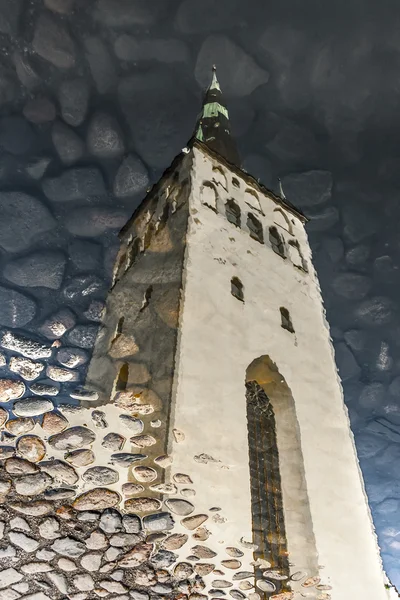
pixel 23 541
pixel 39 110
pixel 3 416
pixel 32 485
pixel 23 218
pixel 11 389
pixel 31 447
pixel 53 42
pixel 57 324
pixel 73 96
pixel 104 137
pixel 310 188
pixel 43 389
pixel 32 407
pixel 20 426
pixel 132 178
pixel 16 309
pixel 80 458
pixel 54 422
pixel 36 508
pixel 8 577
pixel 95 221
pixel 142 504
pixel 131 423
pixel 126 459
pixel 72 438
pixel 179 507
pixel 135 557
pixel 113 441
pixel 60 374
pixel 75 184
pixel 69 146
pixel 144 474
pixel 100 476
pixel 97 499
pixel 20 466
pixel 194 522
pixel 71 357
pixel 26 368
pixel 68 546
pixel 101 65
pixel 60 470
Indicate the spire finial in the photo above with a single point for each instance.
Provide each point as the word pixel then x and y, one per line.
pixel 213 127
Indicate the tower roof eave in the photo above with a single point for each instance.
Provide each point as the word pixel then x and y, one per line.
pixel 284 202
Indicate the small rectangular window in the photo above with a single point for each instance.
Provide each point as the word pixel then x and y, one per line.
pixel 237 289
pixel 286 321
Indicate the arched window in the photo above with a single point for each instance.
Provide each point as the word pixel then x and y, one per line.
pixel 276 242
pixel 208 195
pixel 122 380
pixel 252 199
pixel 232 211
pixel 255 228
pixel 282 220
pixel 296 255
pixel 235 182
pixel 281 518
pixel 237 289
pixel 219 177
pixel 286 321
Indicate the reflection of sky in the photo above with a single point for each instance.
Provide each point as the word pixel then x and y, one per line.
pixel 313 94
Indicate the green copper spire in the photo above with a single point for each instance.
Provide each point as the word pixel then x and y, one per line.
pixel 213 127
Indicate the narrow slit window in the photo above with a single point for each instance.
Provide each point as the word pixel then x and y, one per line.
pixel 123 376
pixel 164 217
pixel 148 236
pixel 255 228
pixel 146 298
pixel 120 326
pixel 237 289
pixel 232 211
pixel 286 321
pixel 276 242
pixel 134 251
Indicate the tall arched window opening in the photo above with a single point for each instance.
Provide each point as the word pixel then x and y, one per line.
pixel 276 242
pixel 281 519
pixel 296 255
pixel 255 228
pixel 282 220
pixel 208 195
pixel 232 211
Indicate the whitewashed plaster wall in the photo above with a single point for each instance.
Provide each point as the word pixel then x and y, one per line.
pixel 219 337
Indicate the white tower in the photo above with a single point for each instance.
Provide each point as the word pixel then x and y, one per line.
pixel 215 325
